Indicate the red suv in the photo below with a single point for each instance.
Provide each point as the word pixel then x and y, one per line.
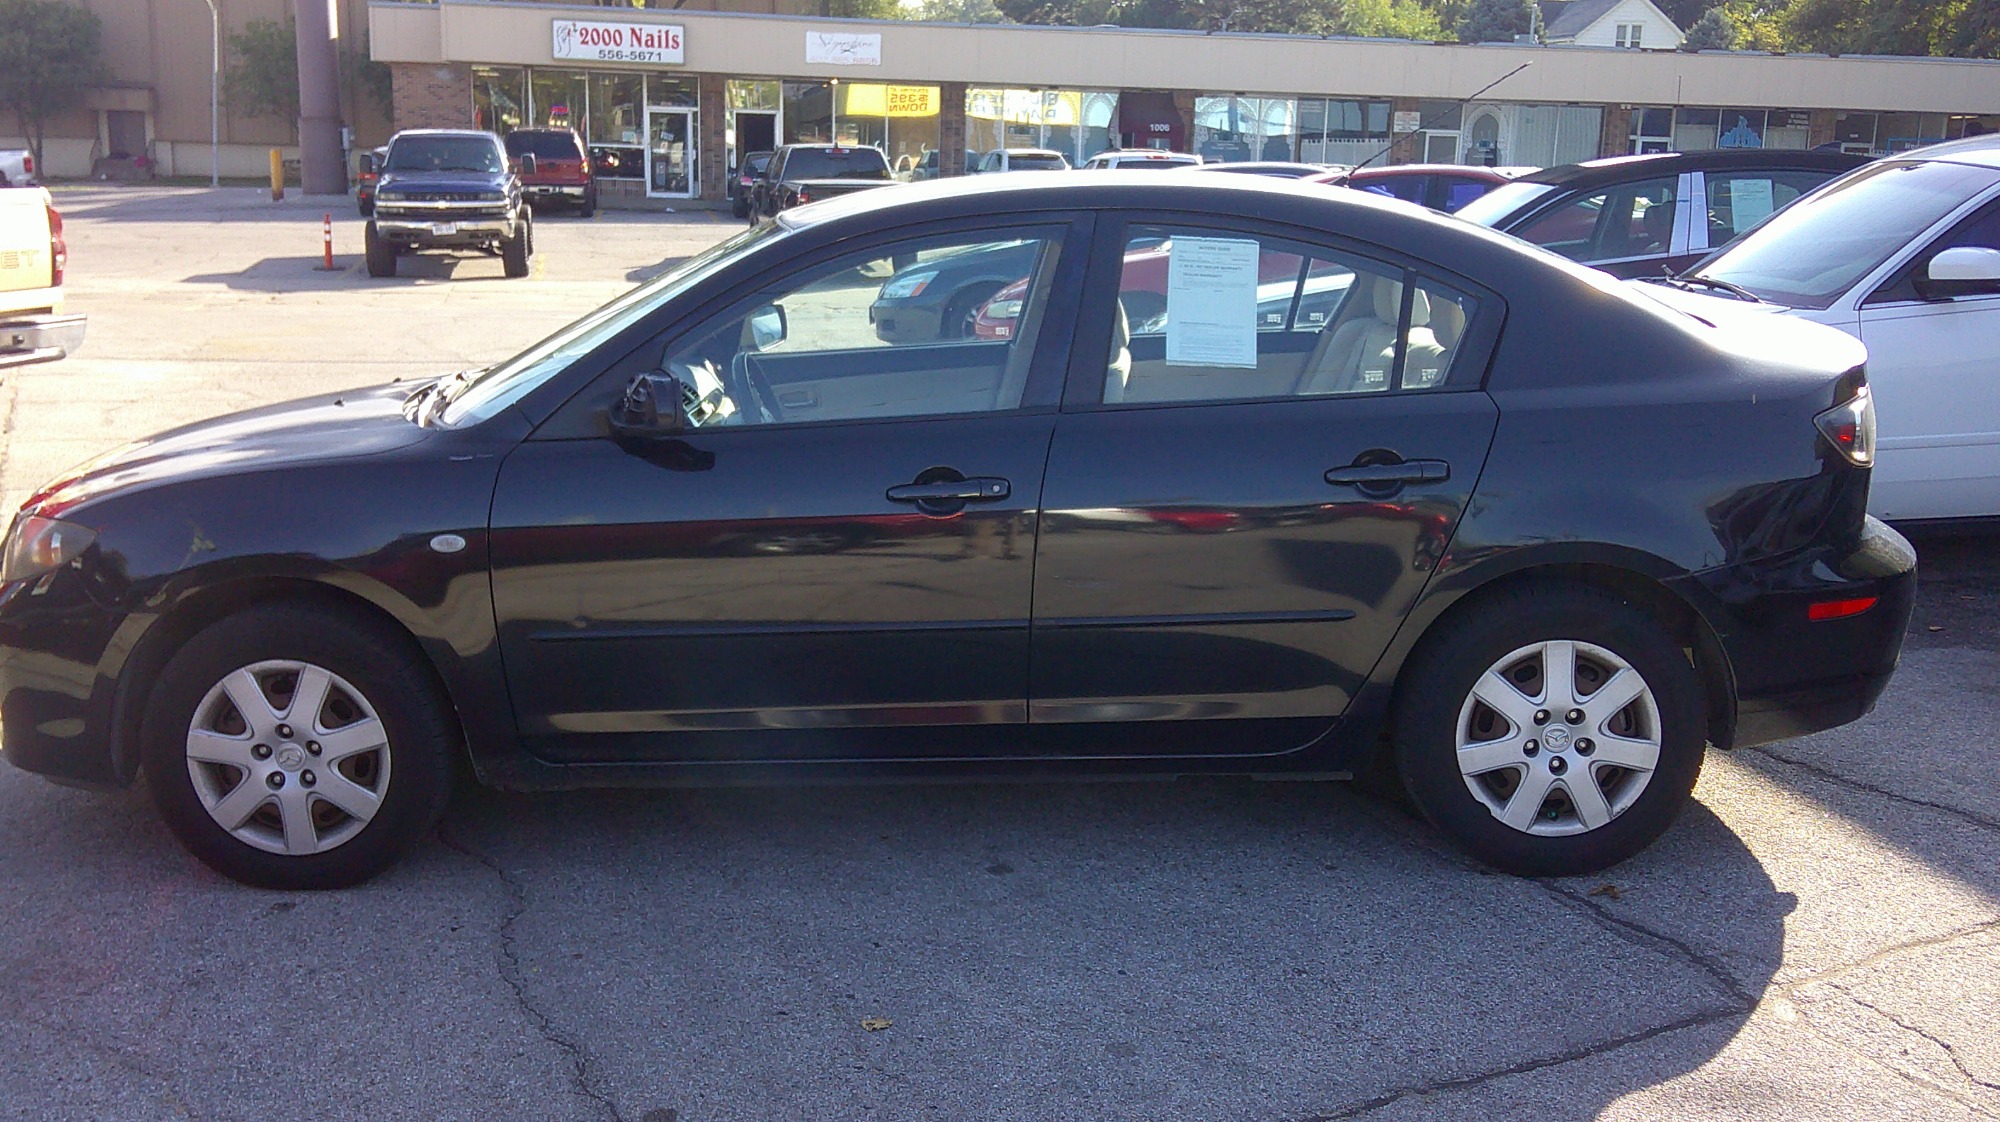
pixel 562 169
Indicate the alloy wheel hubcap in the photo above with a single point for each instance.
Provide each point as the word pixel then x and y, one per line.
pixel 1558 738
pixel 288 757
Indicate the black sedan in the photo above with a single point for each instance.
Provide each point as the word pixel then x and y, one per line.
pixel 937 295
pixel 1531 538
pixel 1636 216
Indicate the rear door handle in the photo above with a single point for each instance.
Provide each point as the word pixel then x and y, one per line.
pixel 980 489
pixel 1375 476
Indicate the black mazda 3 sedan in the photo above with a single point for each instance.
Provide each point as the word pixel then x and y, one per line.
pixel 1527 535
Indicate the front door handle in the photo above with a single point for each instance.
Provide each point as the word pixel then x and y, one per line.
pixel 1378 476
pixel 980 489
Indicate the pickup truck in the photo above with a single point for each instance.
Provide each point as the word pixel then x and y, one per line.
pixel 33 327
pixel 450 189
pixel 17 167
pixel 801 173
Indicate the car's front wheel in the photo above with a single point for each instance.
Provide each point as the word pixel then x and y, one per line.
pixel 516 251
pixel 296 747
pixel 1551 731
pixel 381 253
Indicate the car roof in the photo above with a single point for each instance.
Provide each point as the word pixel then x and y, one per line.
pixel 445 132
pixel 1620 169
pixel 1144 154
pixel 1476 171
pixel 1033 152
pixel 542 128
pixel 1983 151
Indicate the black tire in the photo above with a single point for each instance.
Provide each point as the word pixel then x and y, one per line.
pixel 516 251
pixel 417 764
pixel 366 207
pixel 1435 693
pixel 956 322
pixel 381 253
pixel 739 208
pixel 588 207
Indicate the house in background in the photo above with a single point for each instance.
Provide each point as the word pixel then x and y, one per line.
pixel 1634 24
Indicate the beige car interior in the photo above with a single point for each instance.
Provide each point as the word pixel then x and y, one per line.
pixel 1355 352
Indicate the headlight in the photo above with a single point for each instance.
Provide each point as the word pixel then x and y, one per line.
pixel 1002 309
pixel 908 285
pixel 36 545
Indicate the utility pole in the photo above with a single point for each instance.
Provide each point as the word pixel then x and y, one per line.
pixel 322 165
pixel 215 96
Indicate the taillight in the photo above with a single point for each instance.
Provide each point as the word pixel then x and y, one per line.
pixel 1850 428
pixel 58 249
pixel 28 164
pixel 805 196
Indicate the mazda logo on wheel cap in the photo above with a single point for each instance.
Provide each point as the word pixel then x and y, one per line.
pixel 1556 738
pixel 291 757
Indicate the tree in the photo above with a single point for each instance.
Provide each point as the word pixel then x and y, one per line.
pixel 361 74
pixel 263 76
pixel 859 9
pixel 49 53
pixel 1390 19
pixel 956 11
pixel 1714 31
pixel 1495 21
pixel 1965 28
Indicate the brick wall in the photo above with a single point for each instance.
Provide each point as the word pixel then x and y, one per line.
pixel 1406 149
pixel 430 95
pixel 951 128
pixel 1614 137
pixel 1820 129
pixel 714 166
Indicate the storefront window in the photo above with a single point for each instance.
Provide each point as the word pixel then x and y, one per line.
pixel 1900 132
pixel 1342 132
pixel 808 112
pixel 499 100
pixel 750 118
pixel 617 125
pixel 672 91
pixel 560 98
pixel 1741 128
pixel 900 120
pixel 1697 130
pixel 1076 123
pixel 1963 126
pixel 1234 129
pixel 1652 131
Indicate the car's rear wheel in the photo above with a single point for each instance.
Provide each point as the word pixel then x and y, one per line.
pixel 294 747
pixel 588 207
pixel 1551 731
pixel 516 251
pixel 957 321
pixel 380 251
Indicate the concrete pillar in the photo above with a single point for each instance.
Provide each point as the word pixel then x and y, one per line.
pixel 714 155
pixel 951 128
pixel 430 95
pixel 1614 137
pixel 1184 105
pixel 322 165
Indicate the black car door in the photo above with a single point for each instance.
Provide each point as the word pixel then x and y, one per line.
pixel 1247 492
pixel 832 562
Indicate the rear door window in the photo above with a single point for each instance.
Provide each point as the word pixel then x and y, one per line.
pixel 1738 200
pixel 1628 220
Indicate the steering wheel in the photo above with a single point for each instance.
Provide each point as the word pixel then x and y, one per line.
pixel 748 384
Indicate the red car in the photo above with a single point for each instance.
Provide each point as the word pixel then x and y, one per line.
pixel 561 172
pixel 1444 187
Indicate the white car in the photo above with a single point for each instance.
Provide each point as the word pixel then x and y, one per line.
pixel 1903 254
pixel 1125 159
pixel 1020 159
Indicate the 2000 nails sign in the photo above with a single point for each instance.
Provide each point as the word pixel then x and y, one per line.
pixel 619 42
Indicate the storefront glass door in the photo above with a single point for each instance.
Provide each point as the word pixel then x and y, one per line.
pixel 670 154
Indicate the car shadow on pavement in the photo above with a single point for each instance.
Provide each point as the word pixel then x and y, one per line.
pixel 304 274
pixel 1198 949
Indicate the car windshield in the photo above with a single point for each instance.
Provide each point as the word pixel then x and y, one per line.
pixel 1036 161
pixel 1148 163
pixel 443 153
pixel 1496 205
pixel 497 387
pixel 1808 255
pixel 544 145
pixel 837 163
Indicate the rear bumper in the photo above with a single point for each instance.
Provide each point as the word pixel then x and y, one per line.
pixel 1794 675
pixel 554 192
pixel 42 338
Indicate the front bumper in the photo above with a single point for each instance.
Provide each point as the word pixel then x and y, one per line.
pixel 465 230
pixel 58 651
pixel 1794 675
pixel 905 321
pixel 42 338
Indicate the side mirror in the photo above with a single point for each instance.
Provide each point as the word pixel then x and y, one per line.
pixel 1962 270
pixel 528 164
pixel 654 406
pixel 768 326
pixel 369 165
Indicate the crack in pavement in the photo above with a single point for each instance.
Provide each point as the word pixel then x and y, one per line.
pixel 1894 1072
pixel 1838 779
pixel 1390 1098
pixel 510 973
pixel 114 1056
pixel 1638 934
pixel 1950 1052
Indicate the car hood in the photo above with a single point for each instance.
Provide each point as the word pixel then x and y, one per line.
pixel 356 423
pixel 439 181
pixel 1760 329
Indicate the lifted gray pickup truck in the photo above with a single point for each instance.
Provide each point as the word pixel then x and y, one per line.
pixel 449 189
pixel 801 173
pixel 33 327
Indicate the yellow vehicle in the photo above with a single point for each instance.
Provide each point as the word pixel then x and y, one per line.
pixel 33 327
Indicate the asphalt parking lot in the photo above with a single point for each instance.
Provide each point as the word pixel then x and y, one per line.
pixel 1818 938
